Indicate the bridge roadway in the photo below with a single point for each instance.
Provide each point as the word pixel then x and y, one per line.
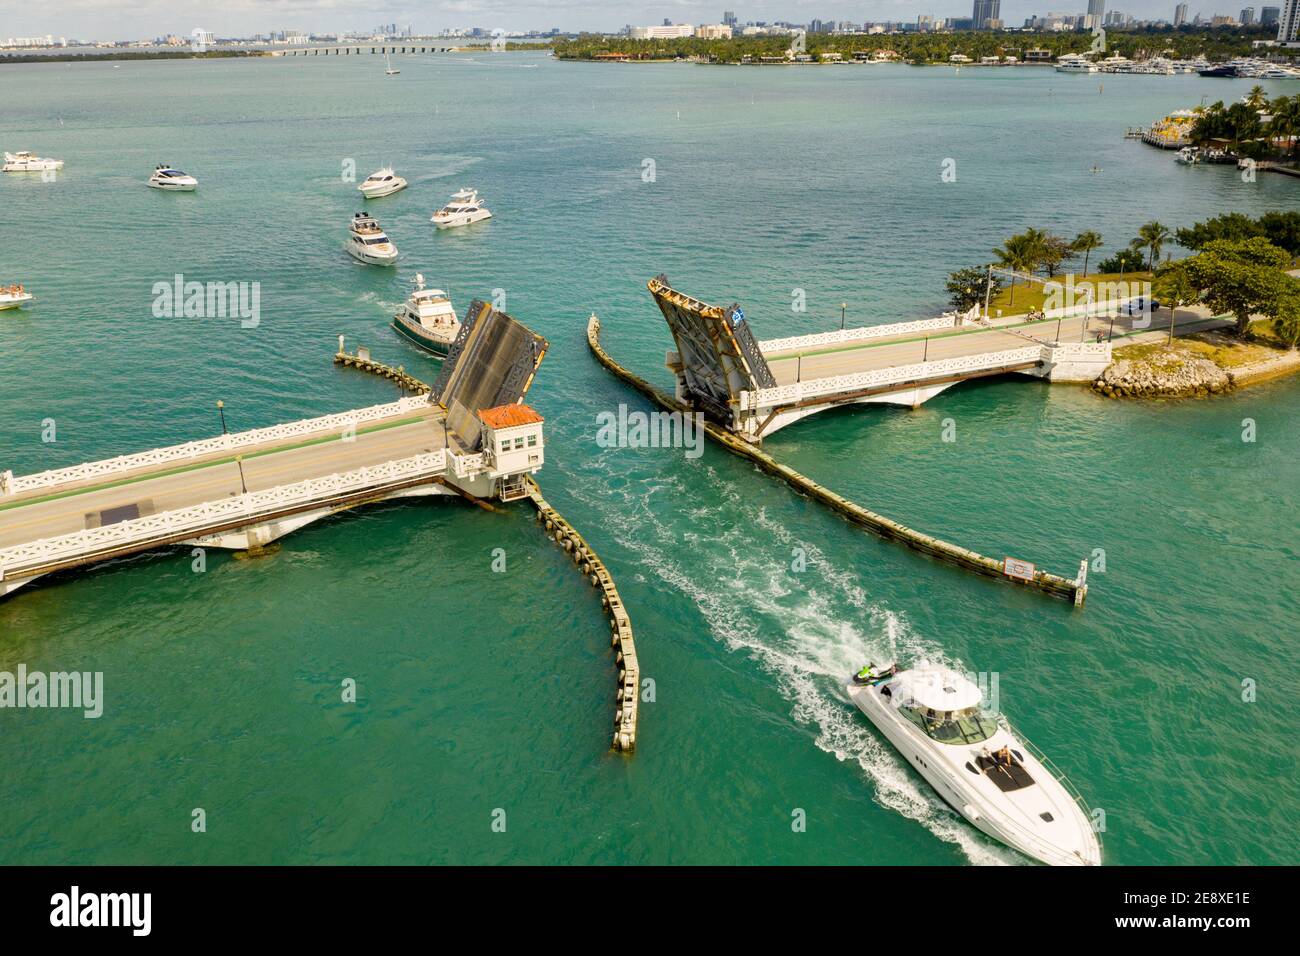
pixel 76 505
pixel 790 365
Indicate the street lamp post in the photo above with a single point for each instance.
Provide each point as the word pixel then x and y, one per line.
pixel 243 486
pixel 221 408
pixel 843 310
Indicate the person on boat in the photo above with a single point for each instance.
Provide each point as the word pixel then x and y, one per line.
pixel 866 675
pixel 1002 758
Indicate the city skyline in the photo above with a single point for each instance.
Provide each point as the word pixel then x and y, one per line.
pixel 105 20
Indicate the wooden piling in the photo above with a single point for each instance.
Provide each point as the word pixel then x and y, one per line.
pixel 361 360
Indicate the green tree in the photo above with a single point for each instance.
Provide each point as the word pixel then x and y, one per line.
pixel 966 287
pixel 1086 243
pixel 1019 254
pixel 1286 315
pixel 1125 260
pixel 1153 237
pixel 1174 287
pixel 1052 251
pixel 1233 225
pixel 1240 277
pixel 1283 230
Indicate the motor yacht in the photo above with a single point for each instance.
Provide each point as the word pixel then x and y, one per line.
pixel 462 209
pixel 1188 156
pixel 990 774
pixel 13 296
pixel 1075 64
pixel 25 162
pixel 368 243
pixel 428 319
pixel 172 180
pixel 382 182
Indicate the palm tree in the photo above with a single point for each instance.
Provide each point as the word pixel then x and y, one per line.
pixel 1152 236
pixel 1087 243
pixel 1019 254
pixel 1256 98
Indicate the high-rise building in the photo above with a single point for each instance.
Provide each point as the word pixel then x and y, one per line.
pixel 1180 14
pixel 1247 16
pixel 1097 8
pixel 1288 25
pixel 988 12
pixel 729 18
pixel 1268 16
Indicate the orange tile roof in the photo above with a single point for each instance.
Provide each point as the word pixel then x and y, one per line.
pixel 506 416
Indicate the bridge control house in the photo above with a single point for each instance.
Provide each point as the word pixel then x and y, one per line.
pixel 512 445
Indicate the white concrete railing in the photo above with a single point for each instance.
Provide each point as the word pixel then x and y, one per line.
pixel 341 421
pixel 786 394
pixel 196 520
pixel 838 337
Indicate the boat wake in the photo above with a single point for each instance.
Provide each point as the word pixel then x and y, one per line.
pixel 808 629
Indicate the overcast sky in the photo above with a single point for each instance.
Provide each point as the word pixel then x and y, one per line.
pixel 130 19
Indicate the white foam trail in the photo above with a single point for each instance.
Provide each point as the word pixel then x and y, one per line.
pixel 822 644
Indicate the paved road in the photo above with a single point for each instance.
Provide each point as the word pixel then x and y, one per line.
pixel 50 512
pixel 789 366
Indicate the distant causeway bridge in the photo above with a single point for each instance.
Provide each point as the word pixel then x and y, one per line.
pixel 361 50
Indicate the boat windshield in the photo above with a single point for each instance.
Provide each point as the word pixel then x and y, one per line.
pixel 967 727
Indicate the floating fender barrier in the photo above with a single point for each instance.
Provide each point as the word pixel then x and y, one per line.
pixel 564 535
pixel 1074 590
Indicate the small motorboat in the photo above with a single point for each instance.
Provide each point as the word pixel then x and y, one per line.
pixel 172 179
pixel 1188 156
pixel 13 296
pixel 987 772
pixel 462 209
pixel 25 162
pixel 428 319
pixel 368 243
pixel 382 182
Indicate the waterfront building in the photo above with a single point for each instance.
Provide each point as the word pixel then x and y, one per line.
pixel 985 13
pixel 713 31
pixel 1288 24
pixel 668 31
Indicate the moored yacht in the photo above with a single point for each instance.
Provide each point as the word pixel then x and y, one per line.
pixel 986 772
pixel 428 319
pixel 462 209
pixel 25 162
pixel 382 182
pixel 368 243
pixel 1073 63
pixel 172 179
pixel 13 296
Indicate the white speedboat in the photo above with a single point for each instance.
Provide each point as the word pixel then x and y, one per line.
pixel 368 243
pixel 172 179
pixel 1188 156
pixel 989 774
pixel 462 209
pixel 428 319
pixel 382 182
pixel 13 296
pixel 25 162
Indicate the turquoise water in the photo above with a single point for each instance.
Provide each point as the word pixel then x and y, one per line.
pixel 480 691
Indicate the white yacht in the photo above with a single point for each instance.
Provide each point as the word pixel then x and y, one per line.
pixel 462 209
pixel 989 774
pixel 1075 64
pixel 25 162
pixel 173 180
pixel 13 296
pixel 1188 156
pixel 428 319
pixel 368 243
pixel 382 182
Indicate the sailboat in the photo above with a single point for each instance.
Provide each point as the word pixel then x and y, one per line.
pixel 390 71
